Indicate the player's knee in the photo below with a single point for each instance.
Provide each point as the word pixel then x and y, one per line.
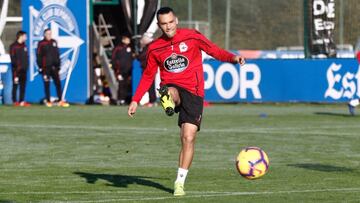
pixel 188 138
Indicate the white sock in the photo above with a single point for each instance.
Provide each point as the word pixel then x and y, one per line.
pixel 181 175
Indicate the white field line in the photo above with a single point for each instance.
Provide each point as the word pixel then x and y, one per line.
pixel 191 194
pixel 250 129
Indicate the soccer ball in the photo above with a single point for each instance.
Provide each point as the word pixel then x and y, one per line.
pixel 252 163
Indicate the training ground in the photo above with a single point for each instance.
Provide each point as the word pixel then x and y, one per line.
pixel 98 154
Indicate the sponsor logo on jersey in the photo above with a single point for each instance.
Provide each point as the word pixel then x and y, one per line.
pixel 176 63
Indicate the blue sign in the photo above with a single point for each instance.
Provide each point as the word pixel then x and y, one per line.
pixel 69 23
pixel 293 80
pixel 5 80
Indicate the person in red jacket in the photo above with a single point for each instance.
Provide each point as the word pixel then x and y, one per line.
pixel 354 102
pixel 178 55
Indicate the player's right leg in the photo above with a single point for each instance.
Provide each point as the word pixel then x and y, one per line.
pixel 352 105
pixel 22 83
pixel 55 76
pixel 14 88
pixel 169 98
pixel 46 79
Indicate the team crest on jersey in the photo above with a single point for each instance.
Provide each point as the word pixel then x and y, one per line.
pixel 183 47
pixel 176 63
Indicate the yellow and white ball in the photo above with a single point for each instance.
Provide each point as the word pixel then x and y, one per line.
pixel 252 163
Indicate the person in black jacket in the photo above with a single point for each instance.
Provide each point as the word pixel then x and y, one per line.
pixel 122 64
pixel 48 60
pixel 19 62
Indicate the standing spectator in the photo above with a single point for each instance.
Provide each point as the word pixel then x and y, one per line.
pixel 19 62
pixel 48 60
pixel 144 44
pixel 122 64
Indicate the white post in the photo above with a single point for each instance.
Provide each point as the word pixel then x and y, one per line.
pixel 3 16
pixel 227 26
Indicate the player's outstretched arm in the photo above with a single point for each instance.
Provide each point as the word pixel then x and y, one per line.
pixel 239 59
pixel 132 108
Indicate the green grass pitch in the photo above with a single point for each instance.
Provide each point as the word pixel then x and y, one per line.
pixel 98 154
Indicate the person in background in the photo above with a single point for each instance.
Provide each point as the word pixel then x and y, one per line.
pixel 48 60
pixel 122 59
pixel 144 44
pixel 19 62
pixel 354 102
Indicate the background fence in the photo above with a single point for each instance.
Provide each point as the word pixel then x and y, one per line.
pixel 259 24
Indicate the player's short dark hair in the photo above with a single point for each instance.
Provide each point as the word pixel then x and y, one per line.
pixel 47 29
pixel 164 10
pixel 19 34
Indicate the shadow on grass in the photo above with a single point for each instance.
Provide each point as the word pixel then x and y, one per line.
pixel 122 180
pixel 333 114
pixel 6 201
pixel 322 167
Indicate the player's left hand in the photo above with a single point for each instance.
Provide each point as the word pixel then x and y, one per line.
pixel 132 108
pixel 240 60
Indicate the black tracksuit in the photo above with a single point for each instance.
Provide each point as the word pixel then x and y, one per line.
pixel 19 62
pixel 48 60
pixel 122 64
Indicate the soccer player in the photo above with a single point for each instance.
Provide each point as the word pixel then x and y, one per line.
pixel 354 102
pixel 19 62
pixel 122 64
pixel 178 55
pixel 48 60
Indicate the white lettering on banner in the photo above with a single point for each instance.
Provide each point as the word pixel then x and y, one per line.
pixel 348 83
pixel 252 84
pixel 323 28
pixel 320 8
pixel 240 81
pixel 210 76
pixel 223 68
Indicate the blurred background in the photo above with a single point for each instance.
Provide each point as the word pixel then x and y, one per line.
pixel 246 24
pixel 256 29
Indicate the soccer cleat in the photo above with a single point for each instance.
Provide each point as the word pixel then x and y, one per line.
pixel 166 101
pixel 24 104
pixel 351 109
pixel 63 104
pixel 48 104
pixel 16 104
pixel 179 189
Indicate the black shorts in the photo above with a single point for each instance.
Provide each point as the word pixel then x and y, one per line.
pixel 191 107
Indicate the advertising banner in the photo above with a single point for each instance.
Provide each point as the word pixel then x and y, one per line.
pixel 321 25
pixel 276 80
pixel 69 23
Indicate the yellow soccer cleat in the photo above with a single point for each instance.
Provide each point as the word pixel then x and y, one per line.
pixel 166 101
pixel 179 189
pixel 48 104
pixel 63 104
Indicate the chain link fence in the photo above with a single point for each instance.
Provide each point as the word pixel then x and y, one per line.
pixel 264 25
